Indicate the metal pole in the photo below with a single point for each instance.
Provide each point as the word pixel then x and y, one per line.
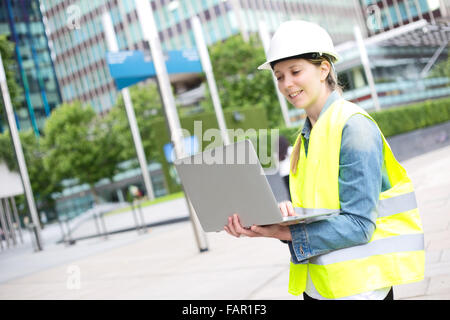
pixel 366 66
pixel 102 220
pixel 148 27
pixel 114 47
pixel 1 238
pixel 16 217
pixel 97 226
pixel 4 225
pixel 69 232
pixel 20 157
pixel 133 211
pixel 9 221
pixel 141 216
pixel 432 60
pixel 62 228
pixel 236 8
pixel 265 39
pixel 207 68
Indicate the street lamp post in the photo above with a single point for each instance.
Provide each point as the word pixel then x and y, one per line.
pixel 366 66
pixel 149 30
pixel 207 68
pixel 114 47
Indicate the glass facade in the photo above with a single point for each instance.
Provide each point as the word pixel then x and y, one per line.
pixel 404 68
pixel 22 22
pixel 382 15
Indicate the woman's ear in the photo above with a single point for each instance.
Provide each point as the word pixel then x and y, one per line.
pixel 325 68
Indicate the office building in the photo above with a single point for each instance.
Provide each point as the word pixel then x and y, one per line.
pixel 21 21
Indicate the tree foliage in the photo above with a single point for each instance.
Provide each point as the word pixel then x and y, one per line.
pixel 10 65
pixel 80 145
pixel 34 154
pixel 441 69
pixel 239 82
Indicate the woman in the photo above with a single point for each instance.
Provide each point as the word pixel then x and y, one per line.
pixel 340 161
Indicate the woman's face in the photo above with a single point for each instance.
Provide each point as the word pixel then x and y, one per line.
pixel 300 81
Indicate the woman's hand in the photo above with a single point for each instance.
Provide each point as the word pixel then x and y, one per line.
pixel 276 231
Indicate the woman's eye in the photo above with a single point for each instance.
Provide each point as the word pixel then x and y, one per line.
pixel 296 72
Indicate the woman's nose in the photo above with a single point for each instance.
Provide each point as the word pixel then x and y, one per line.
pixel 288 81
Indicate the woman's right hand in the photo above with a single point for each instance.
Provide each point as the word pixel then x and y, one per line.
pixel 286 209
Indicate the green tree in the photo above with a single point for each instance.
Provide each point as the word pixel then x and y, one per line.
pixel 441 69
pixel 80 145
pixel 149 110
pixel 239 82
pixel 6 151
pixel 34 154
pixel 10 65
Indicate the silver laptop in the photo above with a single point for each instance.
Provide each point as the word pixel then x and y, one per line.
pixel 229 179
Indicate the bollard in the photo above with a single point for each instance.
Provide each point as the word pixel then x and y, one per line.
pixel 16 218
pixel 136 222
pixel 69 241
pixel 141 215
pixel 31 228
pixel 1 238
pixel 97 226
pixel 9 221
pixel 105 232
pixel 4 225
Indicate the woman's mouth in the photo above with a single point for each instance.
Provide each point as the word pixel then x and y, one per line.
pixel 295 94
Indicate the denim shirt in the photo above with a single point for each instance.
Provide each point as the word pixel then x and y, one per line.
pixel 361 179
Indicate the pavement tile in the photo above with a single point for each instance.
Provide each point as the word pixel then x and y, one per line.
pixel 410 290
pixel 439 285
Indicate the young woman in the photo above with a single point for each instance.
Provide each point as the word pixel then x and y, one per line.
pixel 340 161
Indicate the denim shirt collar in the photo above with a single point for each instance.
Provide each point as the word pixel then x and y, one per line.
pixel 306 131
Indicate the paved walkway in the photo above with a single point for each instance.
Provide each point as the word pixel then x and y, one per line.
pixel 164 262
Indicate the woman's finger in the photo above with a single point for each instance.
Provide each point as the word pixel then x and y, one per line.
pixel 240 229
pixel 290 209
pixel 232 228
pixel 283 209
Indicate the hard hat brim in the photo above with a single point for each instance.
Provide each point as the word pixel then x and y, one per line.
pixel 266 65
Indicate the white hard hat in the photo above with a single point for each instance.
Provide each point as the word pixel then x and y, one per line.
pixel 293 38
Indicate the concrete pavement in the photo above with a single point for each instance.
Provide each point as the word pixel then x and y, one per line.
pixel 164 263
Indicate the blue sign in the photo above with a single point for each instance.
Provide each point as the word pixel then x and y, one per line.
pixel 190 148
pixel 130 67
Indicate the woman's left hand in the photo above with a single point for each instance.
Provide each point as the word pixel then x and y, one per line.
pixel 276 231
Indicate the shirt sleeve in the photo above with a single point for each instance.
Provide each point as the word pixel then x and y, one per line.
pixel 360 167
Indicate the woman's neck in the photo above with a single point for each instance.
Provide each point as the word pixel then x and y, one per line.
pixel 314 111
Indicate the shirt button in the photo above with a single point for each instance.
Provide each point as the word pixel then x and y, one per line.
pixel 301 250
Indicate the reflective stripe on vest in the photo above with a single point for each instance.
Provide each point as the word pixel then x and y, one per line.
pixel 385 207
pixel 402 243
pixel 400 203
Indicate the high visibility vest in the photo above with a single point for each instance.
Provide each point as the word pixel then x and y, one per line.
pixel 395 253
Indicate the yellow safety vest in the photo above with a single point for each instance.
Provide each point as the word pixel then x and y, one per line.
pixel 395 253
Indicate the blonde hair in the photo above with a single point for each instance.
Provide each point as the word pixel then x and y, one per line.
pixel 332 82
